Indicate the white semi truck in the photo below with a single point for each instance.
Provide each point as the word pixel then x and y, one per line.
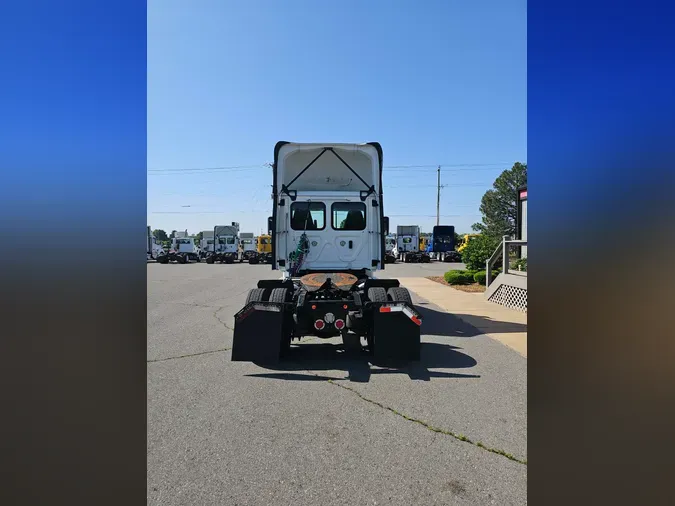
pixel 328 238
pixel 226 243
pixel 391 249
pixel 408 244
pixel 155 249
pixel 248 248
pixel 207 243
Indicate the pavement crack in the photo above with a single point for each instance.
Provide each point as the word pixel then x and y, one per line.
pixel 428 426
pixel 215 315
pixel 189 355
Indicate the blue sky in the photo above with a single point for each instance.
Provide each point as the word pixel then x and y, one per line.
pixel 441 84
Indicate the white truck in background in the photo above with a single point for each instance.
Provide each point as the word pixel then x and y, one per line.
pixel 390 248
pixel 248 248
pixel 207 243
pixel 408 243
pixel 226 243
pixel 155 249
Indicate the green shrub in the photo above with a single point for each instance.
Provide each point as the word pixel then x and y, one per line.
pixel 479 277
pixel 456 278
pixel 477 251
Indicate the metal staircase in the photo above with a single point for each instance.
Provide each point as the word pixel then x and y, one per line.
pixel 509 288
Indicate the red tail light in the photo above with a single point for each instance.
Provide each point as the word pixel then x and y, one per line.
pixel 319 324
pixel 339 324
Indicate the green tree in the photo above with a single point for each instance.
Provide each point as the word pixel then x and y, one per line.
pixel 198 237
pixel 458 240
pixel 160 235
pixel 499 205
pixel 478 250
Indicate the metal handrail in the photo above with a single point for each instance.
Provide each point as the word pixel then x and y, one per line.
pixel 504 251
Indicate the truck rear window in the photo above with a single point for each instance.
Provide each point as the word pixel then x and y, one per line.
pixel 348 215
pixel 308 216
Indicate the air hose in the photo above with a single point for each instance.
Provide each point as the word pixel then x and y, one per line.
pixel 299 254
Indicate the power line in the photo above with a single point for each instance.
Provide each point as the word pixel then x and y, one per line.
pixel 392 168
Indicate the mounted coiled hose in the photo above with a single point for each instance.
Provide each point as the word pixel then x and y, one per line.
pixel 298 256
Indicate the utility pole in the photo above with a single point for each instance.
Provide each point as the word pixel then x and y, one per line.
pixel 438 198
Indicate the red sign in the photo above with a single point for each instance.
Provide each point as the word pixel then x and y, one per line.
pixel 523 194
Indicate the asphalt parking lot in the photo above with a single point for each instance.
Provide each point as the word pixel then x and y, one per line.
pixel 323 427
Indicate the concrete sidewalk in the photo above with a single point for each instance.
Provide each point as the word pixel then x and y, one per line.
pixel 505 325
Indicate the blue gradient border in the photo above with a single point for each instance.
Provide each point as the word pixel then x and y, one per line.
pixel 73 164
pixel 601 139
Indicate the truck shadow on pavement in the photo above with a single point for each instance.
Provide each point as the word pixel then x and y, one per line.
pixel 360 365
pixel 440 323
pixel 309 357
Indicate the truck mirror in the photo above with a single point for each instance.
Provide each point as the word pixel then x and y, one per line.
pixel 386 225
pixel 270 225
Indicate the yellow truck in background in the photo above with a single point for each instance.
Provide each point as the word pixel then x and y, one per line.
pixel 264 247
pixel 424 242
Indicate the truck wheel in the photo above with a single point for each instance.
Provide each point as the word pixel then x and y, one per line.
pixel 400 294
pixel 255 295
pixel 181 259
pixel 279 295
pixel 377 294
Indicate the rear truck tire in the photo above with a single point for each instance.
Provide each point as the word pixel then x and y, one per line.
pixel 209 260
pixel 180 259
pixel 255 295
pixel 280 295
pixel 377 294
pixel 400 294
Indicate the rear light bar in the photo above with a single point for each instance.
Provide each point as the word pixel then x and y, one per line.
pixel 404 309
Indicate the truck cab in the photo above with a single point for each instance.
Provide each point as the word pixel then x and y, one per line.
pixel 391 249
pixel 443 243
pixel 264 247
pixel 155 248
pixel 247 247
pixel 328 214
pixel 226 244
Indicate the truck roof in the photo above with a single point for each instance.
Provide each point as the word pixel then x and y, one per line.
pixel 327 167
pixel 221 230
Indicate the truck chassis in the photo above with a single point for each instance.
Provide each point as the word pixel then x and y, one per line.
pixel 178 257
pixel 415 257
pixel 227 257
pixel 327 305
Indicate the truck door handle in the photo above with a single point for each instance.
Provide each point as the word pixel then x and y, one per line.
pixel 351 244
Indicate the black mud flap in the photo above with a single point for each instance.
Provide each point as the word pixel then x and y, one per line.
pixel 396 332
pixel 259 332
